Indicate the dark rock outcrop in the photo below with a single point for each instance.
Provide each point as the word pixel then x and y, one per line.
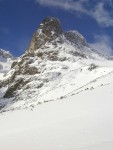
pixel 76 38
pixel 48 30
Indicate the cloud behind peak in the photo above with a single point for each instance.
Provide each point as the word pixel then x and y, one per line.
pixel 96 10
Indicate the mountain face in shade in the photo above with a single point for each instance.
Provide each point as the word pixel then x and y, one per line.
pixel 55 64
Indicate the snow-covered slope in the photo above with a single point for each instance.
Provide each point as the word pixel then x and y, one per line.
pixel 6 60
pixel 83 121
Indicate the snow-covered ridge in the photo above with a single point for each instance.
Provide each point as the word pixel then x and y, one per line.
pixel 5 54
pixel 6 59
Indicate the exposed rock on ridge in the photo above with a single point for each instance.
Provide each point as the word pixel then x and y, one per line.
pixel 76 38
pixel 48 30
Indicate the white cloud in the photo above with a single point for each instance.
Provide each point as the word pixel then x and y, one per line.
pixel 97 12
pixel 102 16
pixel 103 44
pixel 69 5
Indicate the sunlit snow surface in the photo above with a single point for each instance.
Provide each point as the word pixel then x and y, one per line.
pixel 80 122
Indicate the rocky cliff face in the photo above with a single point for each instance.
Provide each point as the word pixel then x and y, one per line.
pixel 52 55
pixel 48 30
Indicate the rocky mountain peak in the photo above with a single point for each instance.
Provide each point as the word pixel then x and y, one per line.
pixel 52 55
pixel 76 38
pixel 48 30
pixel 50 25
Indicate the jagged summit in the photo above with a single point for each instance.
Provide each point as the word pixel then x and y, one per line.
pixel 48 30
pixel 49 25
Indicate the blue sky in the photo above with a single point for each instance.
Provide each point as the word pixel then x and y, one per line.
pixel 20 18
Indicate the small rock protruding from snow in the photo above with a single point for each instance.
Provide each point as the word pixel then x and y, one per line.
pixel 92 67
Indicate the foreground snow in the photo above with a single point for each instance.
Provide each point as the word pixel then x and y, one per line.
pixel 83 121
